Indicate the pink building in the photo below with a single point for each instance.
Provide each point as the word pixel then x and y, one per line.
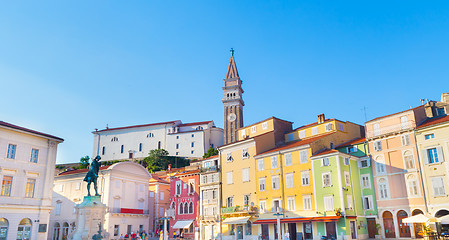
pixel 184 203
pixel 396 171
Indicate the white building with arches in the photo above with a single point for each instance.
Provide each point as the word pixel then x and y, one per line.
pixel 27 162
pixel 123 188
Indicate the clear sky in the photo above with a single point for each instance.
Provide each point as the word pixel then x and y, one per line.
pixel 68 67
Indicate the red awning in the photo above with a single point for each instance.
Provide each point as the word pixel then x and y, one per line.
pixel 303 219
pixel 326 219
pixel 351 217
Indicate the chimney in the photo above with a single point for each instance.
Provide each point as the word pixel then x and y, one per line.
pixel 321 118
pixel 445 97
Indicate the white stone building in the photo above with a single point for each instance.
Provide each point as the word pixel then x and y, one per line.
pixel 124 190
pixel 27 163
pixel 210 199
pixel 190 140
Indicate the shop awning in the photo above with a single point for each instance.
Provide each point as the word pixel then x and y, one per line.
pixel 183 224
pixel 326 219
pixel 236 220
pixel 420 218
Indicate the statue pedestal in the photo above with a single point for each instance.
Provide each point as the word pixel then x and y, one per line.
pixel 89 218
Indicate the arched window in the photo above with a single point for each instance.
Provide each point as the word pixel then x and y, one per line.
pixel 181 208
pixel 199 128
pixel 408 160
pixel 56 231
pixel 4 225
pixel 191 207
pixel 186 208
pixel 383 188
pixel 173 205
pixel 24 229
pixel 65 231
pixel 412 184
pixel 388 224
pixel 380 165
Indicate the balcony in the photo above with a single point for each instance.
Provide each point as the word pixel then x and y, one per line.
pixel 210 201
pixel 129 211
pixel 209 169
pixel 391 129
pixel 239 209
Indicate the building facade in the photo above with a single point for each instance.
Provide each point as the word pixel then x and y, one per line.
pixel 190 140
pixel 124 190
pixel 159 200
pixel 27 162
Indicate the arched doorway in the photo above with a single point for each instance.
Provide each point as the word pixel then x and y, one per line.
pixel 4 224
pixel 388 224
pixel 65 231
pixel 24 229
pixel 444 224
pixel 404 229
pixel 56 231
pixel 419 227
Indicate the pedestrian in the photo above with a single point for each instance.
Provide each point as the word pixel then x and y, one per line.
pixel 182 235
pixel 161 235
pixel 121 236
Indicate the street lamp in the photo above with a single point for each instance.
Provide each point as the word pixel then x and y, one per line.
pixel 278 219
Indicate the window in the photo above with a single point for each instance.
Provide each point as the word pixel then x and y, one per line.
pixel 103 151
pixel 380 165
pixel 305 178
pixel 34 155
pixel 366 183
pixel 229 177
pixel 177 146
pixel 162 195
pixel 178 187
pixel 199 128
pixel 346 161
pixel 302 134
pixel 261 184
pixel 328 203
pixel 363 163
pixel 11 151
pixel 191 186
pixel 193 135
pixel 159 145
pixel 275 182
pixel 274 162
pixel 263 206
pixel 193 144
pixel 246 199
pixel 405 139
pixel 326 179
pixel 325 162
pixel 291 203
pixel 314 130
pixel 352 149
pixel 378 146
pixel 307 202
pixel 181 208
pixel 265 125
pixel 253 129
pixel 408 160
pixel 347 179
pixel 260 164
pixel 432 155
pixel 122 148
pixel 230 201
pixel 116 230
pixel 291 137
pixel 191 152
pixel 376 129
pixel 303 156
pixel 289 180
pixel 429 136
pixel 243 132
pixel 404 123
pixel 412 186
pixel 340 126
pixel 6 186
pixel 152 194
pixel 276 205
pixel 383 189
pixel 329 127
pixel 186 208
pixel 350 203
pixel 177 137
pixel 367 202
pixel 177 153
pixel 229 157
pixel 140 147
pixel 191 207
pixel 248 228
pixel 77 186
pixel 438 186
pixel 245 174
pixel 288 159
pixel 139 204
pixel 58 208
pixel 245 153
pixel 29 191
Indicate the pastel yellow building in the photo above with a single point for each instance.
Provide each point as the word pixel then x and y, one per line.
pixel 238 174
pixel 285 180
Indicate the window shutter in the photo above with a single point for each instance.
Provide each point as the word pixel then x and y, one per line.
pixel 425 158
pixel 359 164
pixel 368 162
pixel 440 154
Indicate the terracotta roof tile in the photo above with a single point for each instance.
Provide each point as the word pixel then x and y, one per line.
pixel 434 121
pixel 9 125
pixel 352 142
pixel 395 113
pixel 325 151
pixel 155 178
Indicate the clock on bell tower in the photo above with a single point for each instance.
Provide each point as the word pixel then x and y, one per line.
pixel 232 101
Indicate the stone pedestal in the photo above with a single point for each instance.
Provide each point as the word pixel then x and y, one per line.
pixel 90 218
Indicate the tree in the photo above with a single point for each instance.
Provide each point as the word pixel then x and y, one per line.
pixel 210 152
pixel 158 160
pixel 84 161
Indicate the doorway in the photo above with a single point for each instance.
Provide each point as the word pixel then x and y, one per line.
pixel 240 232
pixel 292 231
pixel 265 233
pixel 418 227
pixel 4 224
pixel 331 230
pixel 353 229
pixel 371 222
pixel 388 224
pixel 404 229
pixel 307 228
pixel 24 229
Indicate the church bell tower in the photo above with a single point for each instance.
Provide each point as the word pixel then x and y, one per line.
pixel 233 102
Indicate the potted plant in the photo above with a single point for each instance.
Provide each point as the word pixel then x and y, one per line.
pixel 378 227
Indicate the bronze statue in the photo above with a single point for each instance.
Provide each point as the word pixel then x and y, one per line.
pixel 92 175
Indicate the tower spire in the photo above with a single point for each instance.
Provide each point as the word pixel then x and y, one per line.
pixel 232 68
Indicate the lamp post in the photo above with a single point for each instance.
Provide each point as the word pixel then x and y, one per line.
pixel 166 217
pixel 278 219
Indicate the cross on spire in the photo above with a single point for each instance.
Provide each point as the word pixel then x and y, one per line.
pixel 232 52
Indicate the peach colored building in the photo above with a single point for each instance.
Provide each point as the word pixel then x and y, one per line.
pixel 159 200
pixel 396 170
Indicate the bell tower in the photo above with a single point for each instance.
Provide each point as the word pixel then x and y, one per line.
pixel 233 102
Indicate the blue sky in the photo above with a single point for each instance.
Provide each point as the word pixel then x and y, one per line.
pixel 68 67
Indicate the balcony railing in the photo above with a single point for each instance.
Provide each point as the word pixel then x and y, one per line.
pixel 395 128
pixel 129 211
pixel 238 209
pixel 209 169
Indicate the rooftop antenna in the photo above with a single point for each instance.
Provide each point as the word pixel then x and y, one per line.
pixel 364 111
pixel 107 126
pixel 423 101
